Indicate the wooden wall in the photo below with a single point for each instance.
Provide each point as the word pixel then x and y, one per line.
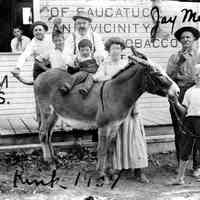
pixel 17 100
pixel 124 18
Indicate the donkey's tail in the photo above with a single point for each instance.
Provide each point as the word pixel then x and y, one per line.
pixel 22 80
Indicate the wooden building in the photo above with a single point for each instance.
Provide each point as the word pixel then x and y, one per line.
pixel 128 19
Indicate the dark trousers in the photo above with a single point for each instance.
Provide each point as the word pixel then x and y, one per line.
pixel 37 70
pixel 82 77
pixel 192 124
pixel 178 132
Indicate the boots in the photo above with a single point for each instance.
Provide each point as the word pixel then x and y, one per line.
pixel 86 87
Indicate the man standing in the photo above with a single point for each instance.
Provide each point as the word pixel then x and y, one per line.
pixel 181 68
pixel 82 22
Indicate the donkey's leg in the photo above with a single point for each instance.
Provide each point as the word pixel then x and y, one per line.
pixel 111 143
pixel 112 136
pixel 43 132
pixel 50 124
pixel 105 151
pixel 101 150
pixel 37 109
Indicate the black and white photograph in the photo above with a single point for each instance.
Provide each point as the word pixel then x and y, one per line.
pixel 99 99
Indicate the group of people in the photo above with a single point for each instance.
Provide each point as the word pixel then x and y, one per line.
pixel 84 55
pixel 88 59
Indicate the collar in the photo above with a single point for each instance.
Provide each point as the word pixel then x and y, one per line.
pixel 44 39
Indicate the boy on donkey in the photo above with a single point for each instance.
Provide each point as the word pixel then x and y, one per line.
pixel 84 65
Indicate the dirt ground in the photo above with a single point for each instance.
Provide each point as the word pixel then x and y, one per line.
pixel 22 165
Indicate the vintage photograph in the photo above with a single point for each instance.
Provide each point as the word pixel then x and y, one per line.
pixel 99 100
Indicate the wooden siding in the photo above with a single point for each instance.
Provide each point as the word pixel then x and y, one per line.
pixel 19 98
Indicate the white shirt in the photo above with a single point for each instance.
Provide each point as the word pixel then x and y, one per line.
pixel 34 48
pixel 108 69
pixel 54 56
pixel 192 101
pixel 68 51
pixel 23 44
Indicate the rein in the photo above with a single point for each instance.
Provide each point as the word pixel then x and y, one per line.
pixel 101 95
pixel 185 130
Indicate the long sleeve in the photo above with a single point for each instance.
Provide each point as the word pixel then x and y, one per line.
pixel 198 57
pixel 100 75
pixel 186 99
pixel 13 45
pixel 25 42
pixel 22 58
pixel 99 46
pixel 171 67
pixel 68 52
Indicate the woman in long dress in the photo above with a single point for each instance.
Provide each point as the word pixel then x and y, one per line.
pixel 131 148
pixel 130 151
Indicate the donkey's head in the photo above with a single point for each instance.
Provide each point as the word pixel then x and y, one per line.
pixel 158 82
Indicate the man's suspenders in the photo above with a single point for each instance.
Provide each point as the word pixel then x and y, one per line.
pixel 74 40
pixel 93 45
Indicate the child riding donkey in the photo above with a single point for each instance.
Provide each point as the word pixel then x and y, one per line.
pixel 83 52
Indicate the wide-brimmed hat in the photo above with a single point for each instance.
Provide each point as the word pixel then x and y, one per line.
pixel 82 15
pixel 41 24
pixel 114 40
pixel 191 29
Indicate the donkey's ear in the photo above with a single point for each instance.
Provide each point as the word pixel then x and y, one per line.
pixel 155 73
pixel 137 53
pixel 131 60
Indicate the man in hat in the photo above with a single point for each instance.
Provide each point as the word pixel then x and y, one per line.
pixel 181 68
pixel 82 22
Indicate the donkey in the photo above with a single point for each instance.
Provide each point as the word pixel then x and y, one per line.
pixel 105 107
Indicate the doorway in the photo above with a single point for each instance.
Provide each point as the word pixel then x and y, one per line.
pixel 14 13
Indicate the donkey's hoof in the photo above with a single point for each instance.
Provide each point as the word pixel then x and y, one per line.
pixel 49 165
pixel 100 181
pixel 107 180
